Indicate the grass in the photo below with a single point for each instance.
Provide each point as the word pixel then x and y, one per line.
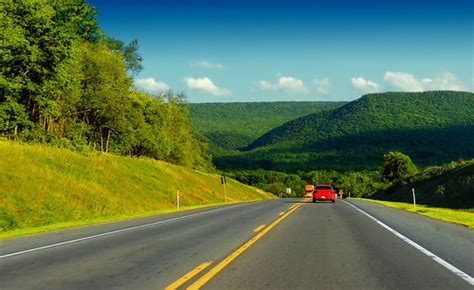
pixel 100 220
pixel 459 216
pixel 44 188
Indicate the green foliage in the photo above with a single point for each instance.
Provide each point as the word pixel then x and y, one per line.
pixel 359 183
pixel 13 117
pixel 432 127
pixel 230 126
pixel 129 51
pixel 271 181
pixel 35 42
pixel 450 185
pixel 376 112
pixel 64 82
pixel 397 166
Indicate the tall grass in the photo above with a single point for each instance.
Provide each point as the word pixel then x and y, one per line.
pixel 43 186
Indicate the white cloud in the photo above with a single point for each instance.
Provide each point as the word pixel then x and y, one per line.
pixel 404 81
pixel 446 81
pixel 408 82
pixel 205 85
pixel 206 64
pixel 285 84
pixel 151 85
pixel 365 86
pixel 322 86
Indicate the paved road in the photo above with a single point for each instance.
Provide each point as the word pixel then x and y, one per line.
pixel 311 246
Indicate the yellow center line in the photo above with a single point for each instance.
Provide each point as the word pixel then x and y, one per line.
pixel 259 228
pixel 187 276
pixel 282 213
pixel 214 271
pixel 291 207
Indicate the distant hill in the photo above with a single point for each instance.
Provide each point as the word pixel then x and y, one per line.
pixel 230 126
pixel 432 127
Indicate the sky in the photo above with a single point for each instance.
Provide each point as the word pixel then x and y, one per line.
pixel 250 50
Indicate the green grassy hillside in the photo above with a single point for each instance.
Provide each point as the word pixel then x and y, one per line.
pixel 431 127
pixel 436 186
pixel 44 186
pixel 230 126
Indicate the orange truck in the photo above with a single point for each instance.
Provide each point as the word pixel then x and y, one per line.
pixel 308 190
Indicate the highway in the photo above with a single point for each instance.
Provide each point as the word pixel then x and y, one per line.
pixel 276 244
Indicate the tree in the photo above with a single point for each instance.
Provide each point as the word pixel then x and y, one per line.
pixel 397 166
pixel 129 51
pixel 13 117
pixel 64 81
pixel 35 48
pixel 105 93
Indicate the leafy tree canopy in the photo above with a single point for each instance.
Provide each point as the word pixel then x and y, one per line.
pixel 397 166
pixel 63 81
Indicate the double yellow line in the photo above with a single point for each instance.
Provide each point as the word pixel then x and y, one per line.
pixel 176 284
pixel 216 269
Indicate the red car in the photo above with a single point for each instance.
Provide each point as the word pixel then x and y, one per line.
pixel 324 192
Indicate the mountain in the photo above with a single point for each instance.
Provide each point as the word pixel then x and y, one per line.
pixel 432 127
pixel 230 126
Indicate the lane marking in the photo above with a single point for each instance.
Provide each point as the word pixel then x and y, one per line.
pixel 185 278
pixel 437 259
pixel 259 228
pixel 282 213
pixel 114 232
pixel 216 269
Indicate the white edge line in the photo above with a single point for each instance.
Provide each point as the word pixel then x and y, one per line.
pixel 112 232
pixel 440 261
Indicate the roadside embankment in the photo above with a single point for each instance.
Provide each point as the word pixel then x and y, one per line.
pixel 44 188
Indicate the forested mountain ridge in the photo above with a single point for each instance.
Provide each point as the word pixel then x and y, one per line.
pixel 231 126
pixel 375 112
pixel 431 127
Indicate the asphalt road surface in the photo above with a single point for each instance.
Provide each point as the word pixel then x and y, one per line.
pixel 278 244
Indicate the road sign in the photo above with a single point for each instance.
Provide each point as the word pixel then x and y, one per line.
pixel 288 190
pixel 223 181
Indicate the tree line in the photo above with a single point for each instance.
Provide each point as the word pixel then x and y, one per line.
pixel 396 168
pixel 64 81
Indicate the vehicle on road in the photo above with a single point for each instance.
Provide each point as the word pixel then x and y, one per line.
pixel 323 192
pixel 308 190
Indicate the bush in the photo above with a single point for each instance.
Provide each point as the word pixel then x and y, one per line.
pixel 397 166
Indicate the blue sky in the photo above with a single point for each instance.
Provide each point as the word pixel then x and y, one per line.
pixel 231 50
